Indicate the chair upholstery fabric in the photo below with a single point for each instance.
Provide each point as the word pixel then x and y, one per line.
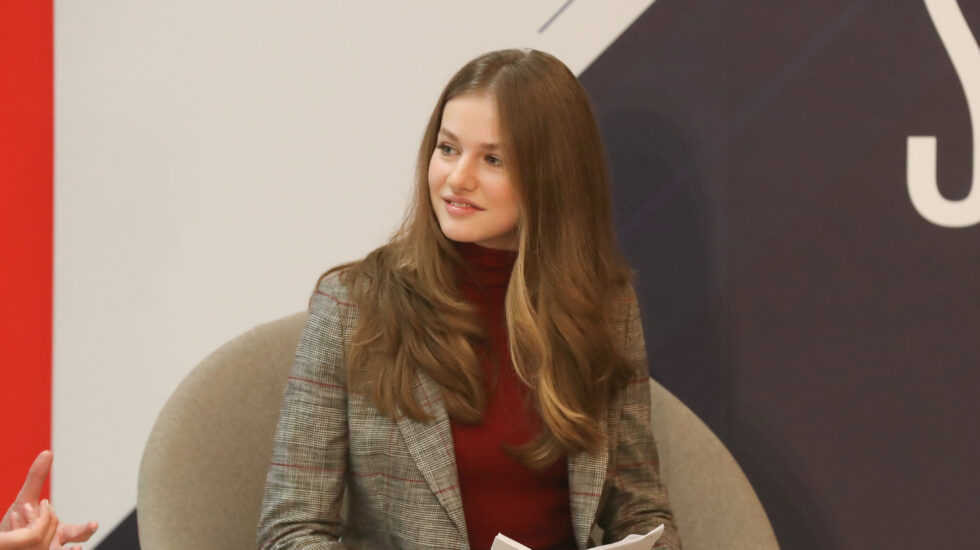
pixel 714 504
pixel 204 467
pixel 202 475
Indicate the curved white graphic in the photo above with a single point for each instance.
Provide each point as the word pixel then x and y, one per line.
pixel 921 170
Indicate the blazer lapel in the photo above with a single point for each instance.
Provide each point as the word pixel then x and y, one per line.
pixel 431 446
pixel 586 476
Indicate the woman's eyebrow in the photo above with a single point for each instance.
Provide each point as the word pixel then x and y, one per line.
pixel 454 137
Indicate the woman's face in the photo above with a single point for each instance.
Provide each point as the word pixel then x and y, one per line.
pixel 469 178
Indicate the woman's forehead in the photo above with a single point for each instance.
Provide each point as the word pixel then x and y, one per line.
pixel 471 118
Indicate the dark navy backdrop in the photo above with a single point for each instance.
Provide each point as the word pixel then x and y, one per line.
pixel 793 297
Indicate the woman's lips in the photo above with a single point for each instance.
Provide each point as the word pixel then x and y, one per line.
pixel 460 208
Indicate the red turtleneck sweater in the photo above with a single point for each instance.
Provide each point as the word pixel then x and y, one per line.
pixel 501 495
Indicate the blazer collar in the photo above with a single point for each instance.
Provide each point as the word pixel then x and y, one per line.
pixel 431 446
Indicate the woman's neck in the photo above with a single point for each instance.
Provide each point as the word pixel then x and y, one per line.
pixel 488 268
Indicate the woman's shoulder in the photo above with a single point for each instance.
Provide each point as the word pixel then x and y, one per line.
pixel 331 293
pixel 624 302
pixel 352 284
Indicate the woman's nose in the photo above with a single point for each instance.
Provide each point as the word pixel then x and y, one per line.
pixel 463 177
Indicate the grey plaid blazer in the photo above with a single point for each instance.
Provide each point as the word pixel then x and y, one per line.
pixel 400 475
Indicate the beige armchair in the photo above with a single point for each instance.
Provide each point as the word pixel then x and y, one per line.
pixel 203 470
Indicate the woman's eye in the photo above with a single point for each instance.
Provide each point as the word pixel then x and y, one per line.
pixel 494 161
pixel 445 149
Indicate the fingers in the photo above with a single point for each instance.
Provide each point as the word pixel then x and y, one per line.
pixel 18 519
pixel 46 523
pixel 70 532
pixel 37 536
pixel 48 520
pixel 31 491
pixel 21 515
pixel 15 540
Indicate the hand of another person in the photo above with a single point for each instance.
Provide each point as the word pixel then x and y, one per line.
pixel 40 526
pixel 71 532
pixel 27 504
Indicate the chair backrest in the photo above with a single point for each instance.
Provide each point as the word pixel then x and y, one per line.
pixel 203 470
pixel 713 502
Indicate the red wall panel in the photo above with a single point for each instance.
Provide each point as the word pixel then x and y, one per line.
pixel 26 199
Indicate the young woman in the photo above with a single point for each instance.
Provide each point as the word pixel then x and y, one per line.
pixel 484 371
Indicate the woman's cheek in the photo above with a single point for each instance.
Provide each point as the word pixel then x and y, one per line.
pixel 437 173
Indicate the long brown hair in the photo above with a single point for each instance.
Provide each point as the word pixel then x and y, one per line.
pixel 568 274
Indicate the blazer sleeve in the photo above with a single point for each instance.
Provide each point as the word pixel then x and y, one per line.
pixel 637 499
pixel 305 483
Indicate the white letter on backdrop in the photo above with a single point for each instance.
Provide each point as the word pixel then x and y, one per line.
pixel 921 170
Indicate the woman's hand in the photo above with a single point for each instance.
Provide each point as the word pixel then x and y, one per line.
pixel 28 509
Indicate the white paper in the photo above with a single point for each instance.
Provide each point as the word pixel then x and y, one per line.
pixel 630 542
pixel 501 542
